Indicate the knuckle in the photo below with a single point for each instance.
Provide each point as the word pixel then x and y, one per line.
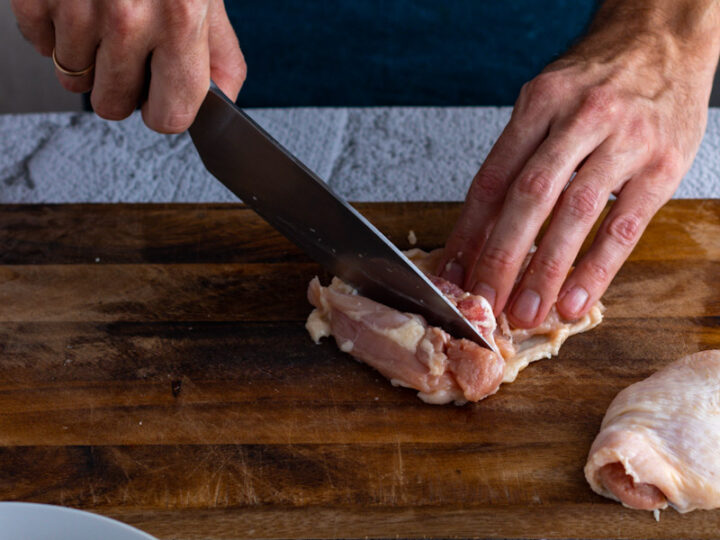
pixel 466 238
pixel 76 21
pixel 125 19
pixel 671 164
pixel 172 122
pixel 111 105
pixel 522 104
pixel 489 185
pixel 582 202
pixel 549 267
pixel 464 244
pixel 236 69
pixel 537 93
pixel 597 272
pixel 524 91
pixel 186 15
pixel 536 186
pixel 599 102
pixel 112 111
pixel 543 87
pixel 73 84
pixel 497 259
pixel 625 228
pixel 638 128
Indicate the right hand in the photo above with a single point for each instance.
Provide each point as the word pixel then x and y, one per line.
pixel 184 42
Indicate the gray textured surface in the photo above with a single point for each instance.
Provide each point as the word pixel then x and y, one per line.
pixel 365 154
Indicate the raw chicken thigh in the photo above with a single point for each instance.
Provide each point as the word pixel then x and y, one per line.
pixel 521 346
pixel 659 443
pixel 405 349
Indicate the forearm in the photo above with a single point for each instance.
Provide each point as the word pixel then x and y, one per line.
pixel 664 43
pixel 681 37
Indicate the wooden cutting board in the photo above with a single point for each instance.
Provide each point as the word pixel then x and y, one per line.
pixel 154 368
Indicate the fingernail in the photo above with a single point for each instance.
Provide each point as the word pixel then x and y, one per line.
pixel 486 291
pixel 453 272
pixel 526 306
pixel 574 300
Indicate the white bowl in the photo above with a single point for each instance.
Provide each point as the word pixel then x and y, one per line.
pixel 29 521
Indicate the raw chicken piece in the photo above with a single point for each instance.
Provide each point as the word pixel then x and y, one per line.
pixel 521 346
pixel 403 348
pixel 659 443
pixel 544 341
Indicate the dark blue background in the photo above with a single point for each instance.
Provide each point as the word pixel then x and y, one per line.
pixel 399 52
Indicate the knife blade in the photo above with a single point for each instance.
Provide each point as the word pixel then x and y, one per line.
pixel 289 196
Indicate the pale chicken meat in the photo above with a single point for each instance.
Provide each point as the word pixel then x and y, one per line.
pixel 519 346
pixel 409 352
pixel 659 442
pixel 403 347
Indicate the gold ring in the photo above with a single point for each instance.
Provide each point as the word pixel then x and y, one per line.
pixel 69 73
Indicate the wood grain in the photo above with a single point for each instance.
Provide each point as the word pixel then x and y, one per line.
pixel 154 368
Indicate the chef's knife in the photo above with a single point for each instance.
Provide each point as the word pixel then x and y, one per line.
pixel 275 184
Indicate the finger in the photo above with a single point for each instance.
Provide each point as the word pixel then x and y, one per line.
pixel 76 40
pixel 520 138
pixel 120 69
pixel 35 24
pixel 640 198
pixel 227 63
pixel 529 201
pixel 180 78
pixel 578 208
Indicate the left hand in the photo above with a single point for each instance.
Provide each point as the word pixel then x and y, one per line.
pixel 627 114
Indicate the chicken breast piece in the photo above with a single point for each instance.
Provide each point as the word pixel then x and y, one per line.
pixel 659 442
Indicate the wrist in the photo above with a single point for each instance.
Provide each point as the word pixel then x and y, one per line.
pixel 677 34
pixel 651 52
